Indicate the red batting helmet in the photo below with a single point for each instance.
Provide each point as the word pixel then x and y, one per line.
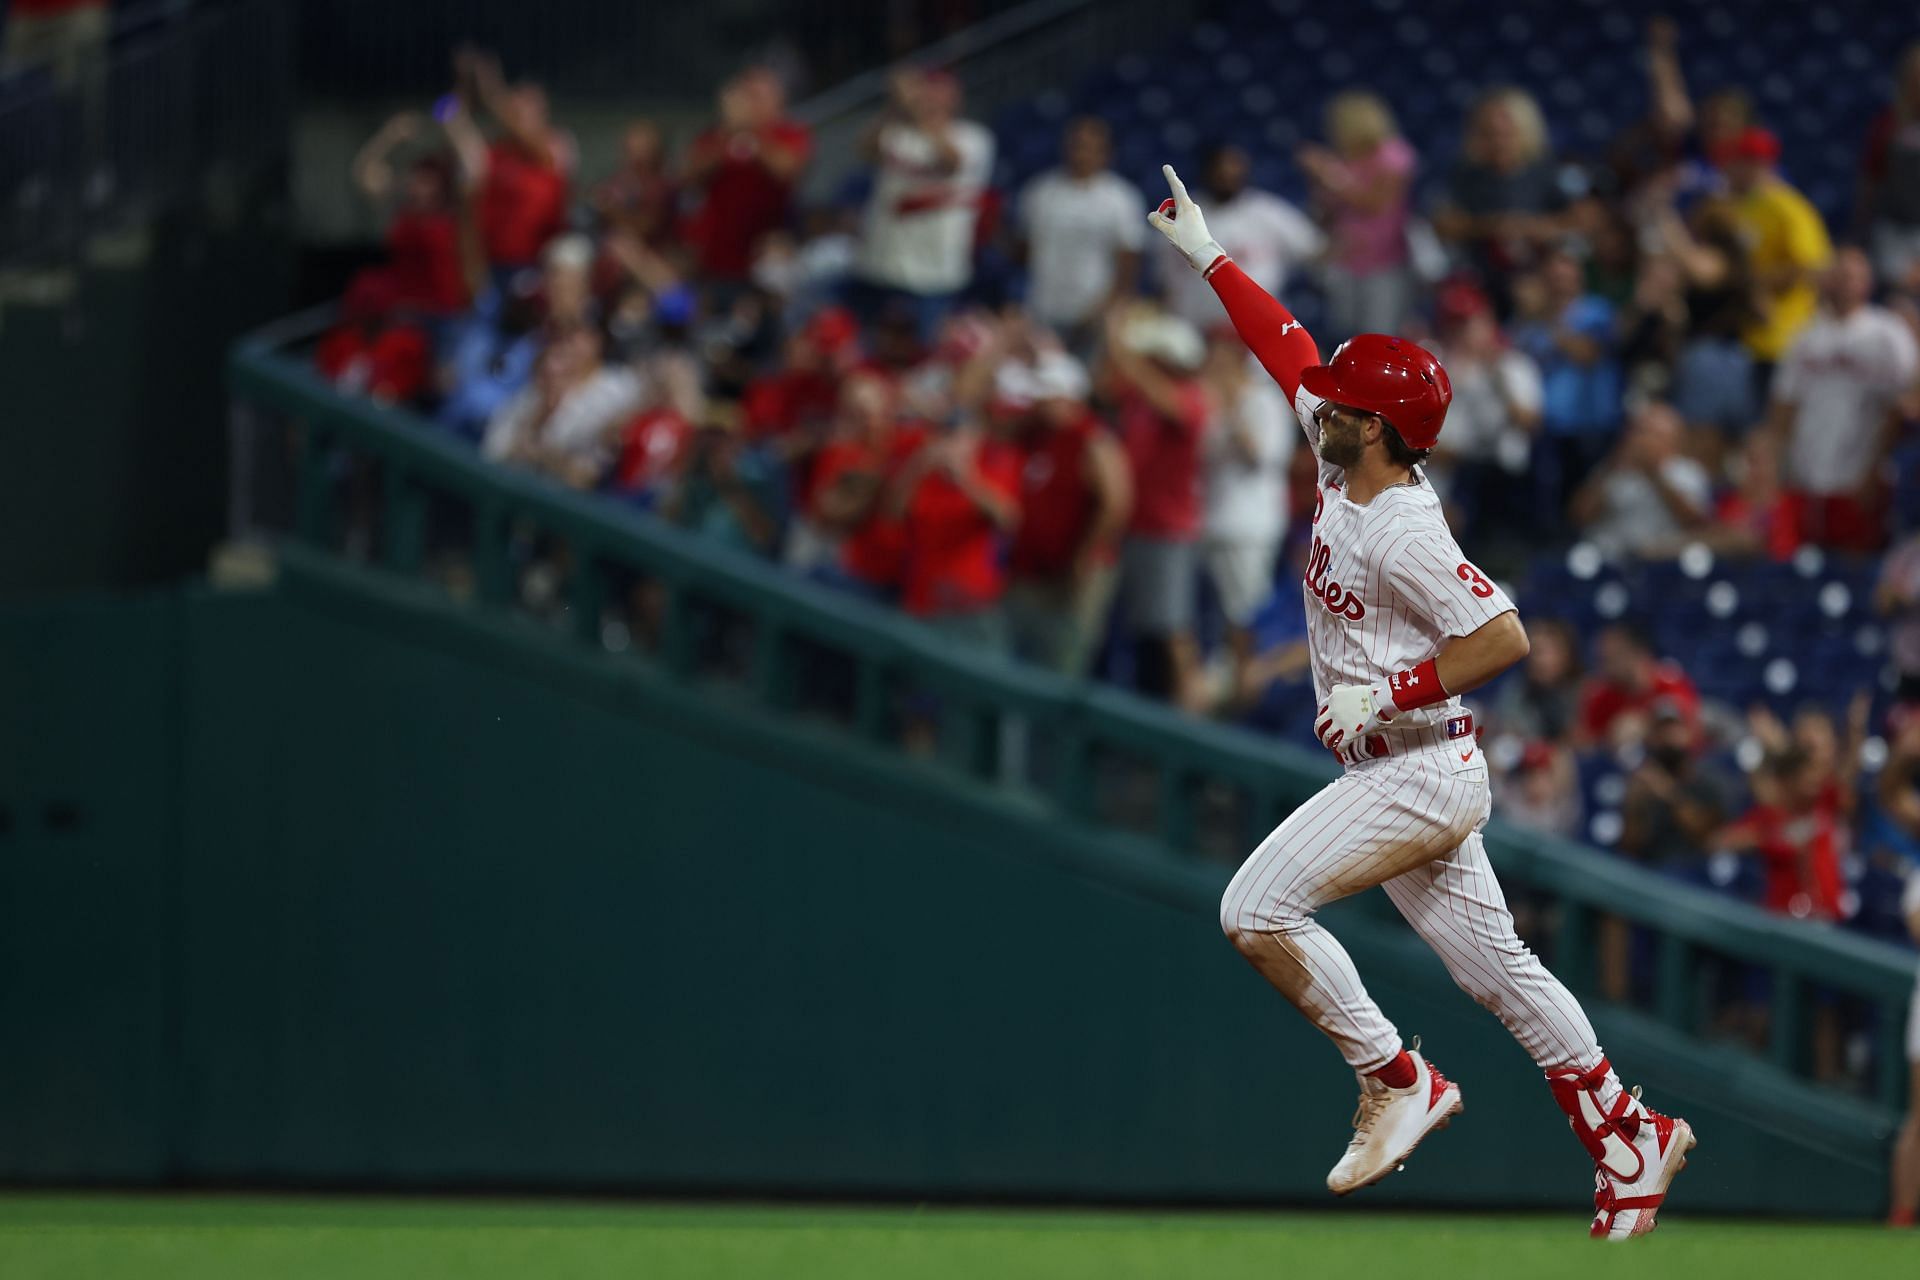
pixel 1392 377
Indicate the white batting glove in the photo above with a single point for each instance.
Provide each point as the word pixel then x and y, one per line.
pixel 1179 220
pixel 1351 712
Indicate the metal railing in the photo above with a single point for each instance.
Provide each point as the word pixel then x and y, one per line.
pixel 344 475
pixel 141 124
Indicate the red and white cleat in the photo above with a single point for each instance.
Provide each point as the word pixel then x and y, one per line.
pixel 1636 1152
pixel 1390 1123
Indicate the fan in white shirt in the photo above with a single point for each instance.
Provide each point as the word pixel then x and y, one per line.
pixel 1084 226
pixel 563 422
pixel 931 169
pixel 1265 235
pixel 1245 452
pixel 1836 386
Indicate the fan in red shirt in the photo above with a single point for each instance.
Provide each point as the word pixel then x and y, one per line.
pixel 638 198
pixel 522 201
pixel 1760 517
pixel 655 440
pixel 745 167
pixel 1616 704
pixel 1799 839
pixel 957 497
pixel 802 394
pixel 844 533
pixel 424 260
pixel 371 351
pixel 1152 374
pixel 1832 768
pixel 1076 494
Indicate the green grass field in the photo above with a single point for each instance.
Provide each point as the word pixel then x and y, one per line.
pixel 213 1238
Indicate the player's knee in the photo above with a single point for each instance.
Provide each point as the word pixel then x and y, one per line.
pixel 1246 919
pixel 1236 921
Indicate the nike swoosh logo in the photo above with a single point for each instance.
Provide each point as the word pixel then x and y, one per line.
pixel 1466 755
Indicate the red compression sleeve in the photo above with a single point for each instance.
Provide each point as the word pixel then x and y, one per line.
pixel 1281 343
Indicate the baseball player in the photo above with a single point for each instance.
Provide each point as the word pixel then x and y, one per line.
pixel 1401 624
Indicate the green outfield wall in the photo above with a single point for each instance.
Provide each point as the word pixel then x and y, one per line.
pixel 336 881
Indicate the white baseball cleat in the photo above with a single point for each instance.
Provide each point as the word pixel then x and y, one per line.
pixel 1627 1193
pixel 1390 1123
pixel 1636 1151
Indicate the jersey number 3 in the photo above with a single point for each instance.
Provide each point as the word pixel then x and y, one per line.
pixel 1475 580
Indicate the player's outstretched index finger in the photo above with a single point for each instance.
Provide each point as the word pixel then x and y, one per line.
pixel 1173 181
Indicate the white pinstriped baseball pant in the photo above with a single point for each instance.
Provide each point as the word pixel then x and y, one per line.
pixel 1411 825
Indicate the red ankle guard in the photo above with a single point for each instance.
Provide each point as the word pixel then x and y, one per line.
pixel 1606 1132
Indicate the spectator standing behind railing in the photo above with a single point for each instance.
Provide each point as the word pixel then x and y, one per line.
pixel 1083 226
pixel 1800 842
pixel 1505 200
pixel 525 178
pixel 375 350
pixel 639 199
pixel 565 424
pixel 1570 335
pixel 1617 700
pixel 655 440
pixel 1076 495
pixel 743 169
pixel 1787 244
pixel 1360 193
pixel 1674 803
pixel 424 263
pixel 844 476
pixel 1647 497
pixel 1713 383
pixel 1757 517
pixel 957 498
pixel 1671 148
pixel 1889 196
pixel 488 356
pixel 930 168
pixel 1267 236
pixel 1497 395
pixel 1832 411
pixel 727 490
pixel 1152 375
pixel 1833 763
pixel 1246 449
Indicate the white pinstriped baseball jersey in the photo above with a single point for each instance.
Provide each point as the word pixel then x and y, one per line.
pixel 1386 587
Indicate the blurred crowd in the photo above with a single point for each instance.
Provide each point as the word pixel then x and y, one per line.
pixel 1007 414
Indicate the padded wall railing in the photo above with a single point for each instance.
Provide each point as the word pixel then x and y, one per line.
pixel 342 474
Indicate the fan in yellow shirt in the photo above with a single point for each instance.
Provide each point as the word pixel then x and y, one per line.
pixel 1787 244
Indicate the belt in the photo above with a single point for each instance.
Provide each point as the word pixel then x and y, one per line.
pixel 1378 746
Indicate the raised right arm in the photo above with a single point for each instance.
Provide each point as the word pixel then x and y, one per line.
pixel 1281 343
